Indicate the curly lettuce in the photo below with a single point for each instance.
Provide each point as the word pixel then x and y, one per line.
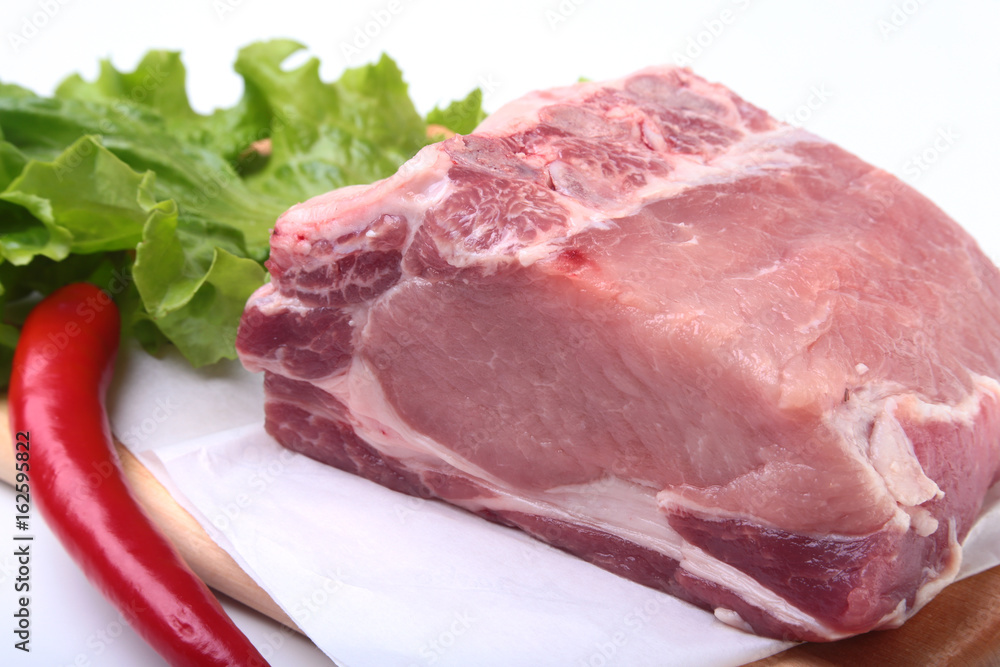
pixel 120 182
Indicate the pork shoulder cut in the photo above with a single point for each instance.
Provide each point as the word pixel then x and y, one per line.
pixel 647 323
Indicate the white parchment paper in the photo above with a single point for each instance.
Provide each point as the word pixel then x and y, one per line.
pixel 374 577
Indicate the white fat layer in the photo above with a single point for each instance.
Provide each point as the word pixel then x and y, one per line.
pixel 922 521
pixel 940 580
pixel 868 425
pixel 894 618
pixel 893 457
pixel 730 617
pixel 704 566
pixel 965 412
pixel 414 189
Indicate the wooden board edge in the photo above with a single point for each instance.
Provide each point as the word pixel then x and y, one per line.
pixel 209 561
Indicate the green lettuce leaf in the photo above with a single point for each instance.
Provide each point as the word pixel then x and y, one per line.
pixel 158 82
pixel 215 305
pixel 461 116
pixel 176 254
pixel 12 161
pixel 121 182
pixel 358 129
pixel 86 201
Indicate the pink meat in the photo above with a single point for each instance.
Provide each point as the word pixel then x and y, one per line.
pixel 647 323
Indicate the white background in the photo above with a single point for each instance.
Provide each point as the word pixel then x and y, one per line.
pixel 913 87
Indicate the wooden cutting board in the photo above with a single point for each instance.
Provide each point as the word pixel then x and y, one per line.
pixel 960 627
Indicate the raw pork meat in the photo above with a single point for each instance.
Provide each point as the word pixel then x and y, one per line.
pixel 648 324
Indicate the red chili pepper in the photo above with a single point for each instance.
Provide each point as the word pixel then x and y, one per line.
pixel 62 366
